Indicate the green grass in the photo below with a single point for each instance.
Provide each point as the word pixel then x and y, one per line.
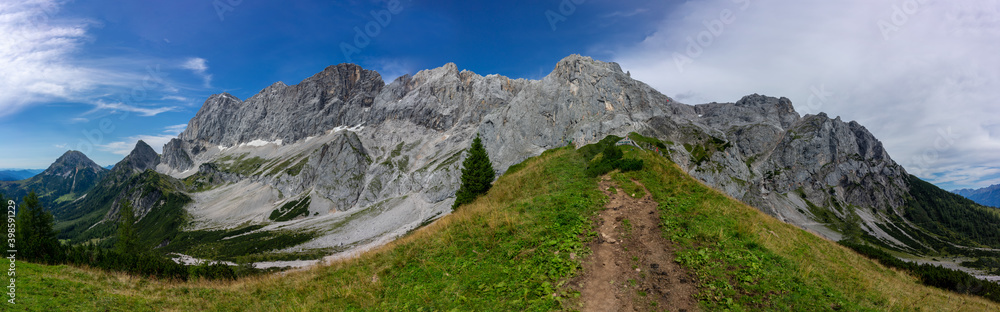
pixel 291 210
pixel 65 198
pixel 450 160
pixel 240 164
pixel 627 186
pixel 648 142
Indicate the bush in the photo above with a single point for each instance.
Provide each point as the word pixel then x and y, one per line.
pixel 626 165
pixel 213 271
pixel 611 159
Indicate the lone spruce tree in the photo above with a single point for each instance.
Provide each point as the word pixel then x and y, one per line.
pixel 477 174
pixel 36 241
pixel 127 239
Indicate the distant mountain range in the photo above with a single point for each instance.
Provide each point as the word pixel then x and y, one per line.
pixel 987 196
pixel 18 174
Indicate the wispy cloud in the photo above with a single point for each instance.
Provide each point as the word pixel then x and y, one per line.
pixel 41 60
pixel 200 67
pixel 143 111
pixel 390 69
pixel 176 98
pixel 623 14
pixel 33 54
pixel 907 74
pixel 175 129
pixel 156 141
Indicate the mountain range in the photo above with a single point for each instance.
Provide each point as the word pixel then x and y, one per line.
pixel 341 162
pixel 18 174
pixel 987 196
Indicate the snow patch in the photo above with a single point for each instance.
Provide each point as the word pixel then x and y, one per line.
pixel 189 260
pixel 351 129
pixel 259 143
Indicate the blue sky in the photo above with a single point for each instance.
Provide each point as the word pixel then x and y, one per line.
pixel 96 76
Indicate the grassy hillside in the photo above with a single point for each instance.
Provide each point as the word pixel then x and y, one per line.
pixel 514 248
pixel 747 260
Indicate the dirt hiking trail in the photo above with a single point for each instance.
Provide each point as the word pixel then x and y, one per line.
pixel 632 267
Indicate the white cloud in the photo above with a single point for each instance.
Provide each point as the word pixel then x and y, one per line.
pixel 175 98
pixel 199 66
pixel 33 54
pixel 146 112
pixel 390 69
pixel 40 61
pixel 175 129
pixel 906 69
pixel 156 141
pixel 623 14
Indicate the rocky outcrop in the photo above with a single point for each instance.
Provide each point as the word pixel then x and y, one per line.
pixel 141 158
pixel 339 95
pixel 175 155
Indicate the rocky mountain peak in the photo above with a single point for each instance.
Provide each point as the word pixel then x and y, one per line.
pixel 141 158
pixel 69 163
pixel 582 67
pixel 336 96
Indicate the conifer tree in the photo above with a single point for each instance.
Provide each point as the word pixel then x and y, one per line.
pixel 127 240
pixel 477 174
pixel 35 238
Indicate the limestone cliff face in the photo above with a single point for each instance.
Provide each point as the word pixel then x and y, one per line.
pixel 388 155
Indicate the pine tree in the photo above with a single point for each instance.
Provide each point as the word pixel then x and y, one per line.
pixel 477 174
pixel 35 238
pixel 127 240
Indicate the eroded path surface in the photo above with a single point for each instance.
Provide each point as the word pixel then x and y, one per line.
pixel 632 267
